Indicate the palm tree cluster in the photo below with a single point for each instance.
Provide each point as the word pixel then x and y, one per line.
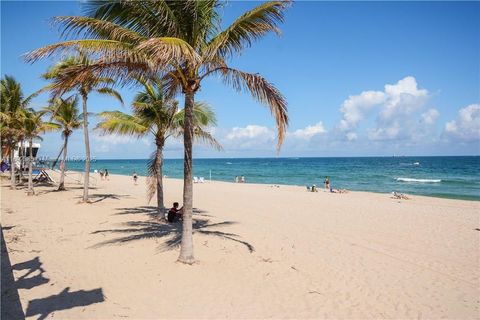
pixel 168 48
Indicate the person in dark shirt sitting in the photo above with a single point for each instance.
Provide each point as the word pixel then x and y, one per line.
pixel 174 214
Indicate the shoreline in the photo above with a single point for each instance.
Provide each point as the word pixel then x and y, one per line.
pixel 460 198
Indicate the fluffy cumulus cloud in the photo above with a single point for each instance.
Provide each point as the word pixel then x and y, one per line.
pixel 466 128
pixel 396 108
pixel 256 137
pixel 430 116
pixel 309 131
pixel 252 137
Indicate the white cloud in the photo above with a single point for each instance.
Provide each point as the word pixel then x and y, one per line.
pixel 310 131
pixel 250 132
pixel 467 125
pixel 431 116
pixel 396 108
pixel 354 109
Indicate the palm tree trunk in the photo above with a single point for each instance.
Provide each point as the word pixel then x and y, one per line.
pixel 21 156
pixel 87 149
pixel 61 185
pixel 159 160
pixel 30 192
pixel 186 250
pixel 12 167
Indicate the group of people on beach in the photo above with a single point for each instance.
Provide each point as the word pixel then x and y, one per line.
pixel 240 179
pixel 103 174
pixel 327 187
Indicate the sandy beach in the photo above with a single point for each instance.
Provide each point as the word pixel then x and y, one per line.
pixel 263 252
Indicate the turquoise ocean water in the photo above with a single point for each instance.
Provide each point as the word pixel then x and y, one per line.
pixel 449 177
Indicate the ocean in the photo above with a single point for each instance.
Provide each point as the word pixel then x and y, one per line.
pixel 447 177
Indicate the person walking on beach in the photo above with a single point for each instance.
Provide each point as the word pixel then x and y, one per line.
pixel 242 179
pixel 106 174
pixel 135 177
pixel 327 184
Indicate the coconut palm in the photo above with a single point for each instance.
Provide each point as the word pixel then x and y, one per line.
pixel 12 105
pixel 66 114
pixel 32 127
pixel 183 41
pixel 101 85
pixel 156 115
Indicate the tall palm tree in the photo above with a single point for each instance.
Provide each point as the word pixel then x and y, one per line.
pixel 183 41
pixel 33 126
pixel 94 83
pixel 12 105
pixel 66 114
pixel 159 116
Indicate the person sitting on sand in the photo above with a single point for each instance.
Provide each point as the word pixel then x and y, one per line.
pixel 174 214
pixel 135 177
pixel 314 188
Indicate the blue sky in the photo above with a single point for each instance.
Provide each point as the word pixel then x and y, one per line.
pixel 361 79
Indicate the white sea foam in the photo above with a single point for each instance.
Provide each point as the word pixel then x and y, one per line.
pixel 418 180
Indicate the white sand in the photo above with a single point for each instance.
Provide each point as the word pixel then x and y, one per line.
pixel 316 255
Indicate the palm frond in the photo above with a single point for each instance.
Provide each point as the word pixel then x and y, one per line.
pixel 249 27
pixel 111 49
pixel 116 122
pixel 166 50
pixel 153 172
pixel 110 92
pixel 97 29
pixel 206 137
pixel 264 92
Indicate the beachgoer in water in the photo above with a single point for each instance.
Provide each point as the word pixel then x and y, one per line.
pixel 135 177
pixel 327 183
pixel 174 214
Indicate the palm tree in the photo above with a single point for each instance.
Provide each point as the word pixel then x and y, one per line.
pixel 33 126
pixel 60 85
pixel 66 114
pixel 154 114
pixel 12 105
pixel 183 41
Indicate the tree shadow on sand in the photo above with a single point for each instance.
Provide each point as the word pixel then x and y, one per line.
pixel 97 197
pixel 137 230
pixel 153 211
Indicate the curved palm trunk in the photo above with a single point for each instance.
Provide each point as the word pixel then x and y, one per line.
pixel 186 250
pixel 30 192
pixel 159 177
pixel 12 168
pixel 87 150
pixel 61 185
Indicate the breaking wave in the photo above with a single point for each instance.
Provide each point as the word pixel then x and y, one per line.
pixel 418 180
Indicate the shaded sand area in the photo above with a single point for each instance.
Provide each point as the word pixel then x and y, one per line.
pixel 263 252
